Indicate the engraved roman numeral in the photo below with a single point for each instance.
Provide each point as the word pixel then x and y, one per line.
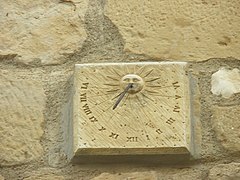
pixel 113 135
pixel 87 109
pixel 93 119
pixel 150 124
pixel 170 121
pixel 147 136
pixel 177 97
pixel 83 97
pixel 159 131
pixel 132 139
pixel 175 85
pixel 176 109
pixel 84 85
pixel 102 128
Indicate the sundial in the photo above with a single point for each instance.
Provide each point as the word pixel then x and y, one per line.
pixel 129 109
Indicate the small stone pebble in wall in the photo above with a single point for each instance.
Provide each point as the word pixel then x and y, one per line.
pixel 226 82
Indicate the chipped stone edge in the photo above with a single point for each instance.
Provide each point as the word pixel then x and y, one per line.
pixel 196 127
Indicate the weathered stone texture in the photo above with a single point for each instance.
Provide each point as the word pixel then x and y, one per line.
pixel 135 175
pixel 21 110
pixel 174 174
pixel 177 30
pixel 43 174
pixel 226 125
pixel 41 31
pixel 1 177
pixel 226 82
pixel 225 172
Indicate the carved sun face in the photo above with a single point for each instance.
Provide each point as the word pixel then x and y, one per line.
pixel 131 105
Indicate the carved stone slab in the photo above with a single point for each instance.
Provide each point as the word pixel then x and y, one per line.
pixel 128 109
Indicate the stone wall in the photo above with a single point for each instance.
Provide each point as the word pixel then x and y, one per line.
pixel 42 40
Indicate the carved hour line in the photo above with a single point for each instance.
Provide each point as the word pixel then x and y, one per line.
pixel 151 91
pixel 112 78
pixel 116 72
pixel 130 102
pixel 111 84
pixel 141 70
pixel 144 113
pixel 144 95
pixel 156 86
pixel 153 79
pixel 98 103
pixel 148 73
pixel 128 71
pixel 96 87
pixel 113 90
pixel 98 95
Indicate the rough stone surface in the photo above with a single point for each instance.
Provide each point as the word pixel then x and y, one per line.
pixel 161 174
pixel 226 82
pixel 151 175
pixel 21 110
pixel 41 31
pixel 44 174
pixel 178 30
pixel 225 172
pixel 1 177
pixel 226 125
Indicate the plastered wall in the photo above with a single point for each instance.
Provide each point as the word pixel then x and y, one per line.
pixel 42 40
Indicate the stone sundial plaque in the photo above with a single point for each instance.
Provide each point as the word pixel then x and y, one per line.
pixel 131 110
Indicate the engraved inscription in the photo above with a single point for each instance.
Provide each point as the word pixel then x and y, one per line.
pixel 170 121
pixel 176 109
pixel 102 128
pixel 114 135
pixel 150 124
pixel 159 131
pixel 177 97
pixel 93 119
pixel 86 109
pixel 83 97
pixel 84 85
pixel 132 139
pixel 147 136
pixel 175 85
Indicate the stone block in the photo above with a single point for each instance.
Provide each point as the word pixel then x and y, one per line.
pixel 226 125
pixel 225 172
pixel 41 31
pixel 21 120
pixel 178 30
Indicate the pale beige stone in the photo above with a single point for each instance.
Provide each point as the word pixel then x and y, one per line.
pixel 226 82
pixel 151 175
pixel 21 119
pixel 1 177
pixel 225 172
pixel 226 124
pixel 178 30
pixel 154 120
pixel 44 174
pixel 45 177
pixel 41 31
